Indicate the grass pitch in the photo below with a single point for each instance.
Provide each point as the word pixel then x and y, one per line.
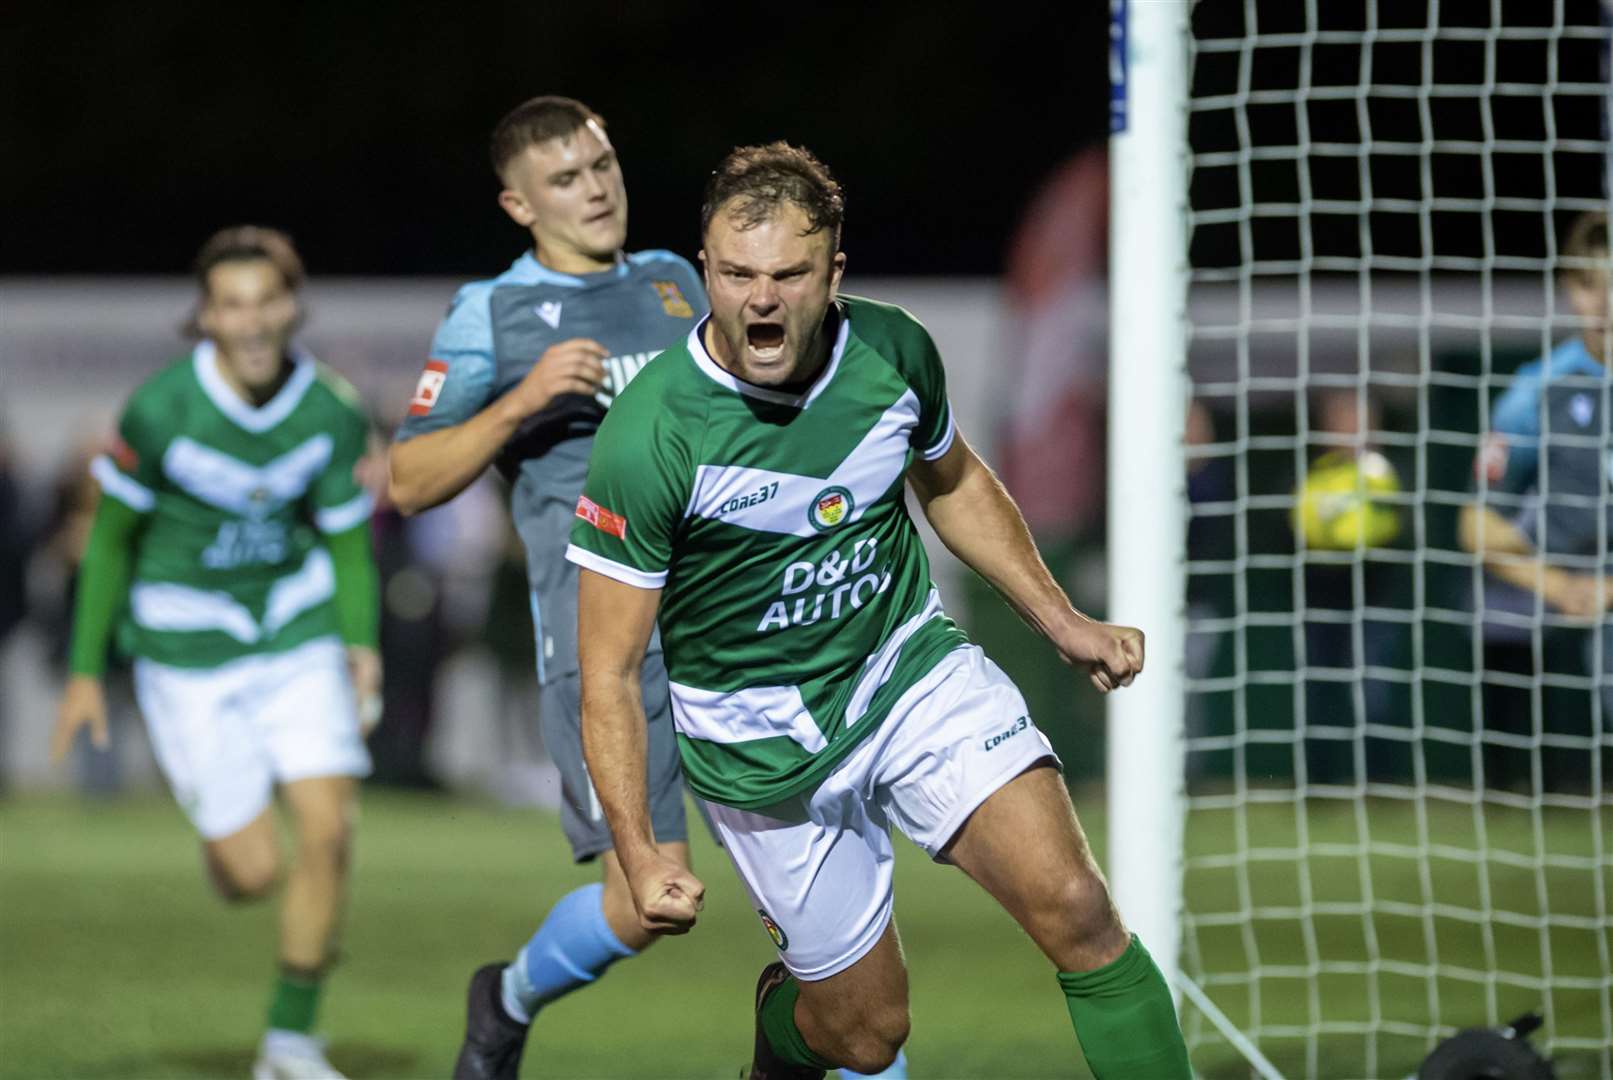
pixel 115 960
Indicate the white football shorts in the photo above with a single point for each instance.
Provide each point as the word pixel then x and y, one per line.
pixel 818 866
pixel 225 736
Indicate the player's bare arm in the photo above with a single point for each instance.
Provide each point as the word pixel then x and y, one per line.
pixel 1511 557
pixel 430 469
pixel 979 523
pixel 103 590
pixel 614 623
pixel 364 668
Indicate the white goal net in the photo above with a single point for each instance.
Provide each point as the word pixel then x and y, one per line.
pixel 1398 817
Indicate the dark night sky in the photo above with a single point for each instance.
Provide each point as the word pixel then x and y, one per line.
pixel 131 131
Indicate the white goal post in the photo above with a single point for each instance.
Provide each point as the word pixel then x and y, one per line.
pixel 1147 408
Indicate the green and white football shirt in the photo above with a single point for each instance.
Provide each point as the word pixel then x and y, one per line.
pixel 228 559
pixel 797 605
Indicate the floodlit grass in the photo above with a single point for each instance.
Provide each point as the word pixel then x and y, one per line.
pixel 115 961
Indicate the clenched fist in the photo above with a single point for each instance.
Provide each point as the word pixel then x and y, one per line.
pixel 1111 655
pixel 666 893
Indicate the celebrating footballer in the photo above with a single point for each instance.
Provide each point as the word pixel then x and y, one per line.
pixel 747 491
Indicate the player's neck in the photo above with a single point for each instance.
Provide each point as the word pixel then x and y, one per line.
pixel 823 343
pixel 564 261
pixel 817 357
pixel 254 395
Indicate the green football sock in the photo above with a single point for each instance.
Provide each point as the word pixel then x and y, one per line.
pixel 778 1024
pixel 295 1002
pixel 1125 1020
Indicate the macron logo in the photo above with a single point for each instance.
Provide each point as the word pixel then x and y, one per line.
pixel 549 312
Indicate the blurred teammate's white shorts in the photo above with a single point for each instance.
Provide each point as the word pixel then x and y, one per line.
pixel 225 736
pixel 818 866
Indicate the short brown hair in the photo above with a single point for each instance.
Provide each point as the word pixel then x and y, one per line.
pixel 1585 248
pixel 244 243
pixel 534 122
pixel 763 177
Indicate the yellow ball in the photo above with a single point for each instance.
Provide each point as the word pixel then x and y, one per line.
pixel 1340 503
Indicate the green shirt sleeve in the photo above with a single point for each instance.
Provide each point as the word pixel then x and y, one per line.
pixel 906 345
pixel 358 592
pixel 928 378
pixel 103 583
pixel 337 500
pixel 632 504
pixel 341 510
pixel 131 470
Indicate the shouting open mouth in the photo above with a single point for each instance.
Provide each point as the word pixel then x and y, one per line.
pixel 766 340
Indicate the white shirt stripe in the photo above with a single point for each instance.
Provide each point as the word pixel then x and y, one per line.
pixel 121 486
pixel 226 482
pixel 867 471
pixel 170 606
pixel 766 712
pixel 350 514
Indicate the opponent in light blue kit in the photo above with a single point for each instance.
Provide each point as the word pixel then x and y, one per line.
pixel 522 371
pixel 1542 478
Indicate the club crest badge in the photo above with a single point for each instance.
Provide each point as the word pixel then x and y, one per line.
pixel 672 301
pixel 774 931
pixel 832 506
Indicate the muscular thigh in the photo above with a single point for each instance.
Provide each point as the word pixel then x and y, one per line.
pixel 245 863
pixel 1025 846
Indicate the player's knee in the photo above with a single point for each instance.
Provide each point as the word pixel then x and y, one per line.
pixel 873 1045
pixel 1084 919
pixel 324 842
pixel 241 881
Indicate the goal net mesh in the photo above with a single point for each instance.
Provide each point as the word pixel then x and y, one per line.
pixel 1398 821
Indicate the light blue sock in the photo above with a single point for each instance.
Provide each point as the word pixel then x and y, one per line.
pixel 572 948
pixel 897 1070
